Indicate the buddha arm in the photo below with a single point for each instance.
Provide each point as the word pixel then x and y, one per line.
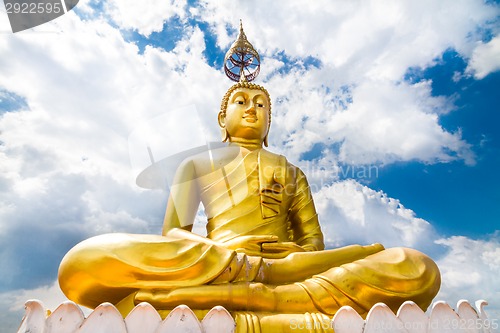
pixel 303 217
pixel 183 200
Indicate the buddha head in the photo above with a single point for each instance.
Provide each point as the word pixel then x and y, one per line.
pixel 245 114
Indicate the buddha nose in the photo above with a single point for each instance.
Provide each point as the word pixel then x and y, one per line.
pixel 251 108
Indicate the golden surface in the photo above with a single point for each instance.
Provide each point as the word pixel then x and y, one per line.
pixel 263 257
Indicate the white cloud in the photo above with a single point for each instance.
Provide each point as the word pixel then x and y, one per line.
pixel 470 270
pixel 360 38
pixel 371 122
pixel 144 16
pixel 12 303
pixel 351 213
pixel 367 46
pixel 387 123
pixel 51 296
pixel 485 58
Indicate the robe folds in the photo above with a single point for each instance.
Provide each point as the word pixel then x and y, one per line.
pixel 260 194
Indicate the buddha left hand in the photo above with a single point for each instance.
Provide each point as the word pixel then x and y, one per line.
pixel 263 246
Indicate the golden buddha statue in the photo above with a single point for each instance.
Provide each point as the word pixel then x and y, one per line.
pixel 264 249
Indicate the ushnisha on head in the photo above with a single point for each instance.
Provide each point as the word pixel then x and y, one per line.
pixel 245 113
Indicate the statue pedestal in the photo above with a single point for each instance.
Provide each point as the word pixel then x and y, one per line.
pixel 69 318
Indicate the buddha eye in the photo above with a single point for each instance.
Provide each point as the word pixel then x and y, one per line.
pixel 239 100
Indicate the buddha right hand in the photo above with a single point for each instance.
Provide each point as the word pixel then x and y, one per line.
pixel 250 245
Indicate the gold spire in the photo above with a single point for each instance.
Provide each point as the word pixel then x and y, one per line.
pixel 242 33
pixel 242 61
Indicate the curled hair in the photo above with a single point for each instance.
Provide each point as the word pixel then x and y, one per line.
pixel 245 84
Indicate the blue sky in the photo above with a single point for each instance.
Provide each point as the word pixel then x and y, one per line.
pixel 458 189
pixel 390 108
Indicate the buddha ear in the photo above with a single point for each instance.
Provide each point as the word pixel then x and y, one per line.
pixel 222 123
pixel 221 118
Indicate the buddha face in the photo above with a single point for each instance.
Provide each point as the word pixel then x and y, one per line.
pixel 247 115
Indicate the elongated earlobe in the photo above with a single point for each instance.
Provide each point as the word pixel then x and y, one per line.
pixel 265 141
pixel 224 134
